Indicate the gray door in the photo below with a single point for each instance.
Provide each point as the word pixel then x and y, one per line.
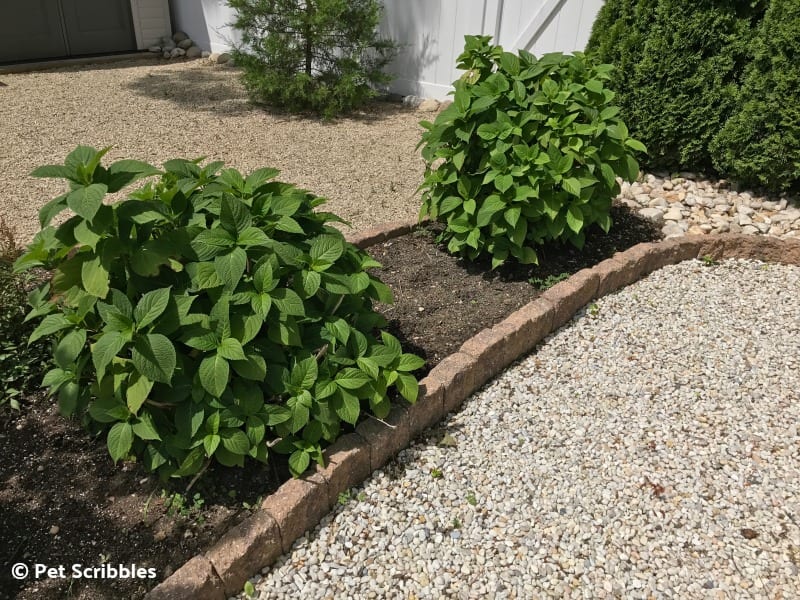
pixel 36 29
pixel 30 29
pixel 95 26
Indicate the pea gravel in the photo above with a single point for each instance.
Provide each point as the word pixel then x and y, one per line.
pixel 365 165
pixel 648 449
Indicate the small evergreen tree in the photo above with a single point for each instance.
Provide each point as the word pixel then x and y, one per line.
pixel 760 143
pixel 319 55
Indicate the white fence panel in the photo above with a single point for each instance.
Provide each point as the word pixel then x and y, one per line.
pixel 431 32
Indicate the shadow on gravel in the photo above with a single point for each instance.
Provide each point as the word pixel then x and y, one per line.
pixel 218 90
pixel 214 90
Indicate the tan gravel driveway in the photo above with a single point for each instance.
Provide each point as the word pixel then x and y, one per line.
pixel 156 110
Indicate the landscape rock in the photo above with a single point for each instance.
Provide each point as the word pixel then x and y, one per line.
pixel 179 36
pixel 223 58
pixel 185 44
pixel 654 214
pixel 176 52
pixel 155 49
pixel 194 52
pixel 428 105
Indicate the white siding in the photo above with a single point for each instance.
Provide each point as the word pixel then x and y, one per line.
pixel 431 32
pixel 206 22
pixel 150 21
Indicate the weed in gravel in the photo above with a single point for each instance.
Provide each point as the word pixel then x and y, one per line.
pixel 548 282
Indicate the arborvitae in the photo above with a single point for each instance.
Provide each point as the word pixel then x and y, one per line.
pixel 323 56
pixel 760 143
pixel 679 67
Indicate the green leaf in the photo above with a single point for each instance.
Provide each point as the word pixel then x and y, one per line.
pixel 351 378
pixel 234 214
pixel 86 201
pixel 326 248
pixel 154 356
pixel 51 209
pixel 298 462
pixel 230 267
pixel 410 362
pixel 575 218
pixel 52 171
pixel 151 306
pixel 55 378
pixel 108 410
pixel 289 225
pixel 572 186
pixel 120 440
pixel 139 388
pixel 210 443
pixel 212 242
pixel 69 348
pixel 369 366
pixel 95 277
pixel 105 349
pixel 50 325
pixel 489 207
pixel 288 302
pixel 635 145
pixel 231 349
pixel 304 374
pixel 145 428
pixel 260 176
pixel 214 372
pixel 203 275
pixel 347 406
pixel 254 367
pixel 252 236
pixel 68 398
pixel 311 281
pixel 407 386
pixel 85 235
pixel 235 440
pixel 503 182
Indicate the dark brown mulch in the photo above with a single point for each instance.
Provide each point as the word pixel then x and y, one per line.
pixel 62 501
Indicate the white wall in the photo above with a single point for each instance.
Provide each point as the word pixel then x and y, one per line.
pixel 150 21
pixel 206 22
pixel 431 32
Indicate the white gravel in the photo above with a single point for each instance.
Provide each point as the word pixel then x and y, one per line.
pixel 366 166
pixel 648 449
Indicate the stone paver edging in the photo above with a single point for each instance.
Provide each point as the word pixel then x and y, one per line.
pixel 299 504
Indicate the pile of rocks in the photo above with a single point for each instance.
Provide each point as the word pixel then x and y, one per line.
pixel 688 204
pixel 179 45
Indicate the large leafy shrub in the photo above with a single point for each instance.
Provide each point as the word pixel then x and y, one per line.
pixel 760 143
pixel 528 151
pixel 20 363
pixel 319 55
pixel 680 65
pixel 209 315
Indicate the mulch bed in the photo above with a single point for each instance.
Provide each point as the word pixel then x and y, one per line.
pixel 62 501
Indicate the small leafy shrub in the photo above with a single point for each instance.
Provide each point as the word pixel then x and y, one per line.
pixel 20 363
pixel 760 144
pixel 208 316
pixel 528 151
pixel 679 68
pixel 323 56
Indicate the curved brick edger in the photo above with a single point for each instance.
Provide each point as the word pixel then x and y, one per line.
pixel 299 504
